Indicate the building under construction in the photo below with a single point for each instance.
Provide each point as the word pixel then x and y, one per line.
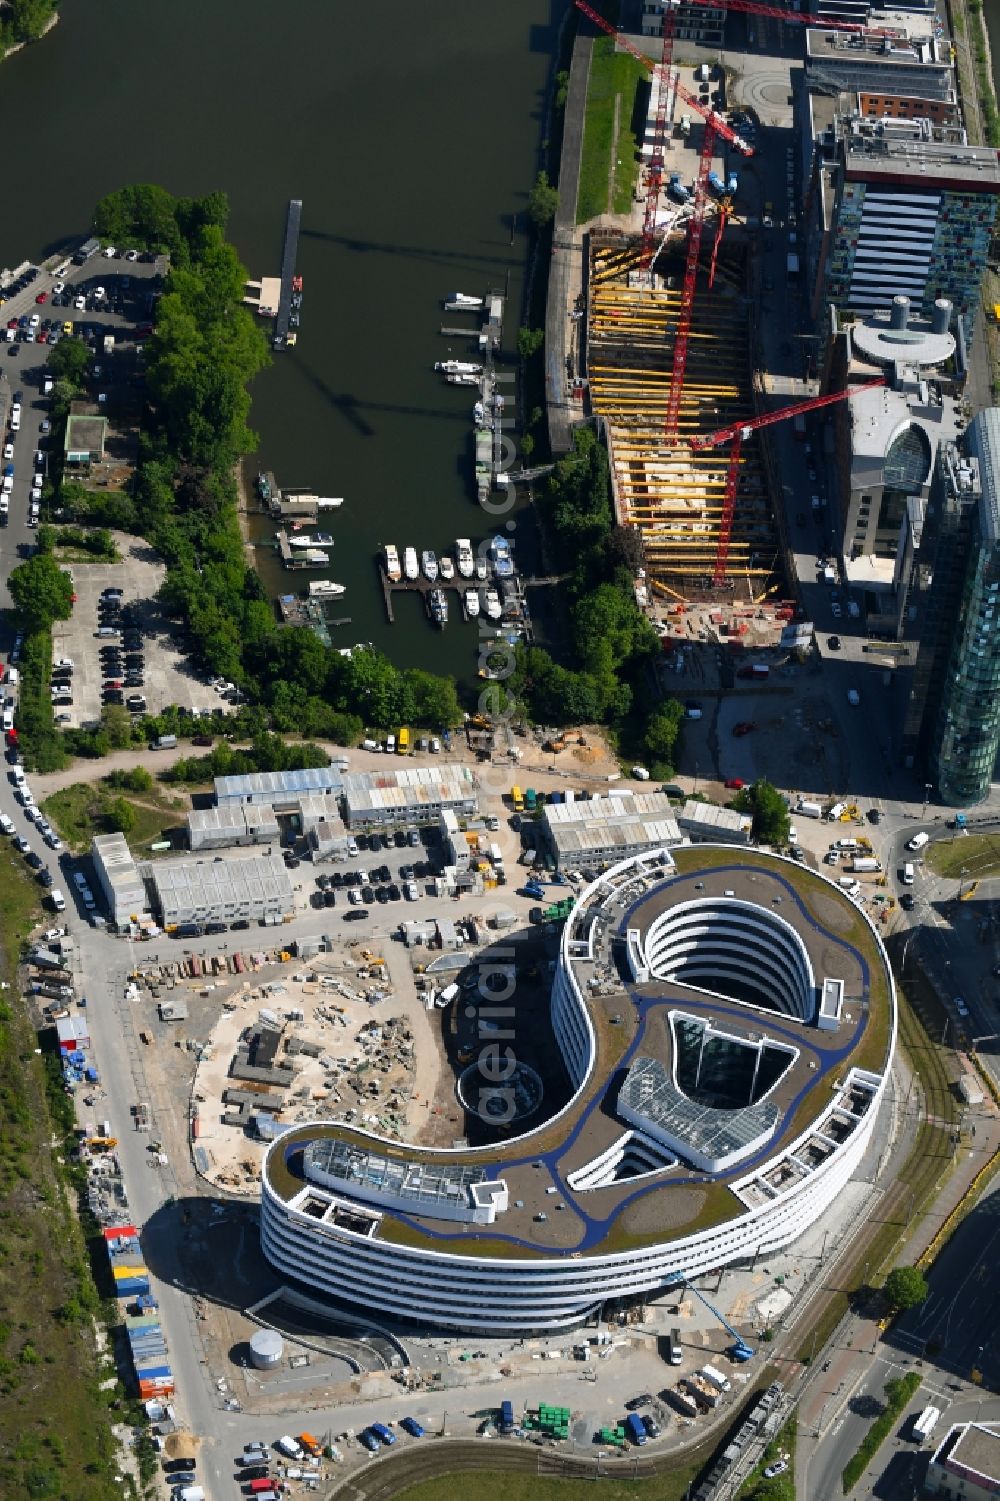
pixel 673 494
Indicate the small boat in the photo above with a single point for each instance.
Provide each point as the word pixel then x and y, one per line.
pixel 455 379
pixel 447 568
pixel 329 502
pixel 316 539
pixel 461 302
pixel 466 562
pixel 438 602
pixel 315 557
pixel 264 488
pixel 392 568
pixel 411 567
pixel 325 589
pixel 482 569
pixel 471 598
pixel 296 299
pixel 457 367
pixel 429 564
pixel 492 604
pixel 503 564
pixel 479 414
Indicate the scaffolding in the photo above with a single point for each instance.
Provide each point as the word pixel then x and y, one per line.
pixel 675 496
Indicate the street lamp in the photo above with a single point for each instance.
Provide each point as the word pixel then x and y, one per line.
pixel 961 884
pixel 928 788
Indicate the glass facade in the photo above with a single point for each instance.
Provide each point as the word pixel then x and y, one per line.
pixel 968 736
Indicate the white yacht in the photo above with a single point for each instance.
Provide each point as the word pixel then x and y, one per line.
pixel 325 589
pixel 429 564
pixel 492 603
pixel 471 598
pixel 461 302
pixel 316 539
pixel 392 568
pixel 482 569
pixel 461 378
pixel 458 367
pixel 411 566
pixel 466 562
pixel 447 568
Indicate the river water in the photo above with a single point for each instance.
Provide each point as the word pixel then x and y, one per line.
pixel 411 133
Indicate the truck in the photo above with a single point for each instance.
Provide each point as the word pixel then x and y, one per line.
pixel 403 742
pixel 865 865
pixel 517 798
pixel 635 1428
pixel 677 190
pixel 925 1422
pixel 530 800
pixel 715 1378
pixel 164 742
pixel 506 1417
pixel 685 126
pixel 675 1350
pixel 808 810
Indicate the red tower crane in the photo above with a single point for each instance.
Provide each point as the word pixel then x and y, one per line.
pixel 714 125
pixel 654 177
pixel 736 433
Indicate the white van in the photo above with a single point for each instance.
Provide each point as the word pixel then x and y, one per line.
pixel 850 885
pixel 918 841
pixel 907 874
pixel 390 744
pixel 290 1446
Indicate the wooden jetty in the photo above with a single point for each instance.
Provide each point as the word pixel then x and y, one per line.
pixel 281 339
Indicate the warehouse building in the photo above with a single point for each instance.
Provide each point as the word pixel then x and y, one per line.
pixel 407 795
pixel 118 877
pixel 329 840
pixel 706 822
pixel 601 829
pixel 284 790
pixel 255 887
pixel 232 823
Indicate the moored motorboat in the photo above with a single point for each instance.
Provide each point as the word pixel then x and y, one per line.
pixel 461 302
pixel 492 605
pixel 503 563
pixel 447 568
pixel 411 563
pixel 463 553
pixel 458 367
pixel 325 589
pixel 392 568
pixel 438 602
pixel 471 598
pixel 429 564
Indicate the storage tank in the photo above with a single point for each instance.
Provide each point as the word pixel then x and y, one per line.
pixel 899 314
pixel 266 1349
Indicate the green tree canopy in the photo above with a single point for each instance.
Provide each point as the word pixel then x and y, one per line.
pixel 69 361
pixel 768 809
pixel 905 1287
pixel 543 201
pixel 662 729
pixel 116 722
pixel 119 815
pixel 41 591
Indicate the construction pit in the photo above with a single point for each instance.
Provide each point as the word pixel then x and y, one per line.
pixel 325 1041
pixel 672 493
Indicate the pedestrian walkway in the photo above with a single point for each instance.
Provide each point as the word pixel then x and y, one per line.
pixel 565 271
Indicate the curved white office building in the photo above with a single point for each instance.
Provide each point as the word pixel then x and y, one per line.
pixel 727 1020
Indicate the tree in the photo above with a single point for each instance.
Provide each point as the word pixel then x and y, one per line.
pixel 41 591
pixel 660 738
pixel 529 341
pixel 119 816
pixel 69 361
pixel 905 1287
pixel 768 809
pixel 543 200
pixel 116 722
pixel 139 779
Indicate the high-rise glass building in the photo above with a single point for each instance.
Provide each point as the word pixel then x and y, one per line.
pixel 967 733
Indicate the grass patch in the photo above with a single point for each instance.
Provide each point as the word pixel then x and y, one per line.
pixel 977 854
pixel 782 1446
pixel 614 77
pixel 898 1395
pixel 54 1418
pixel 87 808
pixel 481 1485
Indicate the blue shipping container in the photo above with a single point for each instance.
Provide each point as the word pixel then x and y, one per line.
pixel 153 1372
pixel 635 1428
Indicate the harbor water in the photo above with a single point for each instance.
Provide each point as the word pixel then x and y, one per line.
pixel 411 135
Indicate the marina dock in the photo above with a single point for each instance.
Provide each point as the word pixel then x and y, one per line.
pixel 307 613
pixel 281 338
pixel 514 624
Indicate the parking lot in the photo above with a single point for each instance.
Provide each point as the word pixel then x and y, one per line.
pixel 166 677
pixel 122 312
